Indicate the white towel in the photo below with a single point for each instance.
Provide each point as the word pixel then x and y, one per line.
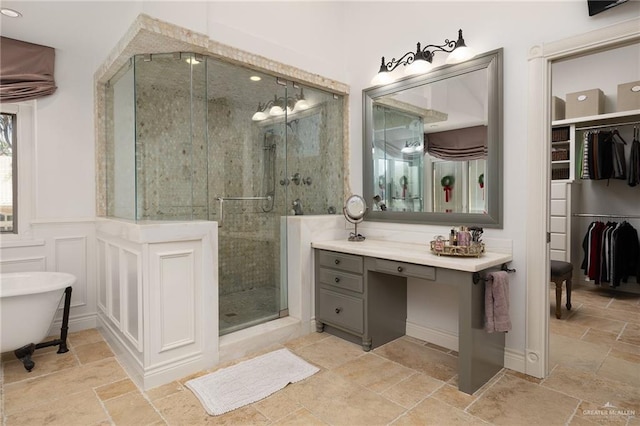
pixel 496 302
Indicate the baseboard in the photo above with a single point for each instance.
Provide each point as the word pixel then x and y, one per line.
pixel 443 338
pixel 513 359
pixel 76 323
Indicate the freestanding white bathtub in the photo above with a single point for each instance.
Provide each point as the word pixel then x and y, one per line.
pixel 28 304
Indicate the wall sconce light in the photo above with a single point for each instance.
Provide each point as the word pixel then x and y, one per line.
pixel 420 61
pixel 279 105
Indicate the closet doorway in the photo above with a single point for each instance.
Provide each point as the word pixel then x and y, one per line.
pixel 541 62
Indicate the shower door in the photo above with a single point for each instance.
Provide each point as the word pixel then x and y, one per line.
pixel 246 163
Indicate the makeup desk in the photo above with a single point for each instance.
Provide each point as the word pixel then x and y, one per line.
pixel 361 296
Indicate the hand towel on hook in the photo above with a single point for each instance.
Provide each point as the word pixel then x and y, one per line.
pixel 496 302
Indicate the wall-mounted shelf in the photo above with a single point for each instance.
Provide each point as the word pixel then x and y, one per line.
pixel 613 118
pixel 564 169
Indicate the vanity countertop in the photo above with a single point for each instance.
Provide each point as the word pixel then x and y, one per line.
pixel 413 253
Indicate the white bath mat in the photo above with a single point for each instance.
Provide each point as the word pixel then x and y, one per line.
pixel 249 381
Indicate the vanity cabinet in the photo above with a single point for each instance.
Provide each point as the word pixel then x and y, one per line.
pixel 355 305
pixel 361 296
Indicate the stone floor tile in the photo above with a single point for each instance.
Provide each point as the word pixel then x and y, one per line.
pixel 81 408
pixel 91 352
pixel 373 372
pixel 46 363
pixel 433 412
pixel 330 352
pixel 593 388
pixel 576 353
pixel 412 390
pixel 513 401
pixel 432 362
pixel 301 417
pixel 132 408
pixel 115 389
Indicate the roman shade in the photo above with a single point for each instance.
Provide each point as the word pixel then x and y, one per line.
pixel 26 70
pixel 465 144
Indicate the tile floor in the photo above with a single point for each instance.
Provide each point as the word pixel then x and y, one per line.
pixel 595 379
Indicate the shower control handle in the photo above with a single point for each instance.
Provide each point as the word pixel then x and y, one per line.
pixel 296 178
pixel 307 180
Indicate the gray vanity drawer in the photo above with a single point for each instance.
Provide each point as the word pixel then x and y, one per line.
pixel 341 310
pixel 406 269
pixel 341 279
pixel 342 261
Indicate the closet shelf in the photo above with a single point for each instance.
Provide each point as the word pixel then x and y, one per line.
pixel 612 118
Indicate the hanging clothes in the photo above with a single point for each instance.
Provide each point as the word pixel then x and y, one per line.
pixel 611 253
pixel 626 254
pixel 619 163
pixel 634 160
pixel 603 156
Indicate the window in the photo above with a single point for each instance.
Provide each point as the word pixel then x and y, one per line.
pixel 8 173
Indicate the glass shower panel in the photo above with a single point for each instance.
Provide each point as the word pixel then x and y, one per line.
pixel 315 156
pixel 170 136
pixel 120 144
pixel 247 192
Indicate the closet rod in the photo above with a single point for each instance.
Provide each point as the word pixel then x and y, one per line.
pixel 619 216
pixel 628 123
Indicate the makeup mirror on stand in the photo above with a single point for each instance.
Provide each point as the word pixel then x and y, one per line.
pixel 354 210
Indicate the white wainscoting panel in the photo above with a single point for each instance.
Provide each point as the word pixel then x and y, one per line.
pixel 177 297
pixel 71 257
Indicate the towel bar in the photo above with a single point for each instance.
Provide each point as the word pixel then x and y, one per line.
pixel 477 277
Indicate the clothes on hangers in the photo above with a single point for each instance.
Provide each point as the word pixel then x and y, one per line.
pixel 603 155
pixel 634 159
pixel 611 252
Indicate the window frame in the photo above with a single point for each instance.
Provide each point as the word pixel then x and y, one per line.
pixel 14 175
pixel 24 177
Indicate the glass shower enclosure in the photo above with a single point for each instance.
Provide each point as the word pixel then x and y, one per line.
pixel 191 137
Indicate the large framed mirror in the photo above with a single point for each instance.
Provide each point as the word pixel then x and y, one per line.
pixel 433 146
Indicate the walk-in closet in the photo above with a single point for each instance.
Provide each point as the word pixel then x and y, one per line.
pixel 595 166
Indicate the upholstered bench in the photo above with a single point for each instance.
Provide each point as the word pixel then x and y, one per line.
pixel 561 272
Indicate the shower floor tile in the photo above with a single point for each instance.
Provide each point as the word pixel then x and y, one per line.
pixel 248 307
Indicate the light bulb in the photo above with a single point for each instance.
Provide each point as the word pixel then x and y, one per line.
pixel 460 54
pixel 418 66
pixel 276 111
pixel 301 105
pixel 259 116
pixel 382 78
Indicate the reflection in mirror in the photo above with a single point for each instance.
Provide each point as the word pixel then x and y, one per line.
pixel 433 145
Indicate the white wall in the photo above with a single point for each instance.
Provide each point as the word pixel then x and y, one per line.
pixel 339 40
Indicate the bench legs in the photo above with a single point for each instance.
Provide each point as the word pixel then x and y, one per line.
pixel 558 282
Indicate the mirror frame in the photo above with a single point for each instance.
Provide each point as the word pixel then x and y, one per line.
pixel 493 62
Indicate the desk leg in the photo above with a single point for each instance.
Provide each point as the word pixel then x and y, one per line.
pixel 480 354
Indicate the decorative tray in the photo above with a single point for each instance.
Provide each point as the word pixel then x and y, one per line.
pixel 445 249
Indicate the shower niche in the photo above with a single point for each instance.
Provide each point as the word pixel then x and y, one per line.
pixel 191 138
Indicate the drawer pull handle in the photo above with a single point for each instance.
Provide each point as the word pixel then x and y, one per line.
pixel 337 261
pixel 399 268
pixel 337 279
pixel 338 310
